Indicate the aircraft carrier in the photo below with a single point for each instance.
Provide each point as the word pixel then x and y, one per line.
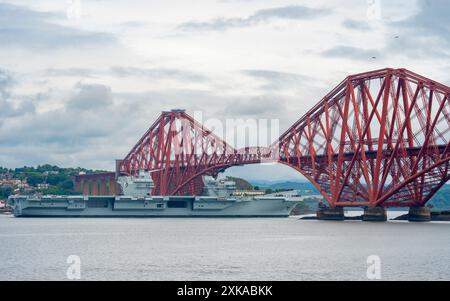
pixel 218 201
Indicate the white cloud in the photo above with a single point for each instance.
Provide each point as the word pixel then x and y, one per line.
pixel 34 30
pixel 292 12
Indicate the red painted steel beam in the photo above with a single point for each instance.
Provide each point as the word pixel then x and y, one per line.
pixel 379 138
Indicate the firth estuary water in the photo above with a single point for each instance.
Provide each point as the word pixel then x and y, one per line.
pixel 221 249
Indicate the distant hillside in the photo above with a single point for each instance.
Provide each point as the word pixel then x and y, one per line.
pixel 241 184
pixel 305 188
pixel 269 183
pixel 46 179
pixel 440 201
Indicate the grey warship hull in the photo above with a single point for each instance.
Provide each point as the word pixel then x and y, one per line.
pixel 124 206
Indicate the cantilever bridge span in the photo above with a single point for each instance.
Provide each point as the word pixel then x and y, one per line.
pixel 379 138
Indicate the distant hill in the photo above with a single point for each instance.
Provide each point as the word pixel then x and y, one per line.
pixel 440 201
pixel 46 179
pixel 305 188
pixel 269 183
pixel 241 184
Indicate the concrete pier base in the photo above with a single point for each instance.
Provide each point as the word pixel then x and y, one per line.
pixel 331 214
pixel 375 214
pixel 419 214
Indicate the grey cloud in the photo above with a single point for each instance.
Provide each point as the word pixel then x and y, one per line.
pixel 418 47
pixel 417 33
pixel 158 73
pixel 125 71
pixel 411 37
pixel 351 53
pixel 60 137
pixel 20 26
pixel 88 131
pixel 215 105
pixel 6 81
pixel 265 105
pixel 133 24
pixel 67 129
pixel 90 97
pixel 271 74
pixel 278 80
pixel 94 112
pixel 171 99
pixel 432 19
pixel 10 105
pixel 356 25
pixel 293 12
pixel 70 72
pixel 269 106
pixel 94 134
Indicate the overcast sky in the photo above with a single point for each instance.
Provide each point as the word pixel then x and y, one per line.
pixel 81 81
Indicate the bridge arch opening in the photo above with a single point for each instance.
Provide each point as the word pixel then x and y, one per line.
pixel 265 172
pixel 276 175
pixel 276 171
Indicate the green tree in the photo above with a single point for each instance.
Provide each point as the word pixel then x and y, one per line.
pixel 5 192
pixel 67 185
pixel 56 179
pixel 34 178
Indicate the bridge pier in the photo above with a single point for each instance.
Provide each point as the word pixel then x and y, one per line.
pixel 331 214
pixel 419 214
pixel 375 214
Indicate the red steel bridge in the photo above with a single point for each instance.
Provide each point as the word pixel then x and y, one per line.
pixel 379 138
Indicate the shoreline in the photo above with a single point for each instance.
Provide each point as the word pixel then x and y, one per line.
pixel 436 216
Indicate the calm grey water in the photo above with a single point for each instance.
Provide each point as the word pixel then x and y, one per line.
pixel 221 249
